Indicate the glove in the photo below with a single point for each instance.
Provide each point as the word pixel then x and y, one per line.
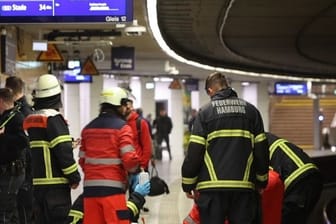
pixel 133 180
pixel 143 189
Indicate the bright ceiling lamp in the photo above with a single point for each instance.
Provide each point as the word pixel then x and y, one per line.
pixel 153 24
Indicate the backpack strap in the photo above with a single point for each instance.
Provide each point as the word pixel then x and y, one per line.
pixel 138 126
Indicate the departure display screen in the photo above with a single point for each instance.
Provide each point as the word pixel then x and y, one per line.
pixel 290 88
pixel 66 11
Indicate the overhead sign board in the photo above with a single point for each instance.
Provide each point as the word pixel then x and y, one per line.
pixel 191 84
pixel 66 11
pixel 122 58
pixel 290 88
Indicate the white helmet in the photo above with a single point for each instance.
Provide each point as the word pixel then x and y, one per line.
pixel 47 85
pixel 113 95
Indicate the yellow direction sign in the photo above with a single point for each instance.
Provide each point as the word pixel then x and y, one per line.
pixel 52 54
pixel 89 68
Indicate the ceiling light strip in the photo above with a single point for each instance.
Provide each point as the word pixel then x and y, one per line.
pixel 151 6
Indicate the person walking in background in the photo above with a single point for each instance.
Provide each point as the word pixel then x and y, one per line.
pixel 13 142
pixel 149 118
pixel 228 158
pixel 192 119
pixel 303 181
pixel 149 121
pixel 163 126
pixel 107 154
pixel 55 171
pixel 25 195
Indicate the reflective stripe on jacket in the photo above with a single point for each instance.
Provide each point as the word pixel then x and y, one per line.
pixel 289 160
pixel 227 148
pixel 106 155
pixel 51 146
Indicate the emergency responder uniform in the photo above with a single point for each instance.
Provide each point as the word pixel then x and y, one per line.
pixel 55 171
pixel 227 158
pixel 25 195
pixel 107 153
pixel 13 141
pixel 303 181
pixel 134 204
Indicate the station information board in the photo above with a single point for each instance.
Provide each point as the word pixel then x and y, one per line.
pixel 291 88
pixel 66 11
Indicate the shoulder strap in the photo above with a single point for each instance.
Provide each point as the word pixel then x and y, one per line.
pixel 15 110
pixel 138 126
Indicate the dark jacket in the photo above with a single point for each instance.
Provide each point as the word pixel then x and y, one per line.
pixel 290 161
pixel 51 147
pixel 163 125
pixel 25 108
pixel 13 141
pixel 227 148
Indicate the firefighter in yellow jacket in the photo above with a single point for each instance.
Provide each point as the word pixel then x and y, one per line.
pixel 55 171
pixel 227 158
pixel 303 180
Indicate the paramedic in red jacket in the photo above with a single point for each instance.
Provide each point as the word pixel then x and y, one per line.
pixel 106 155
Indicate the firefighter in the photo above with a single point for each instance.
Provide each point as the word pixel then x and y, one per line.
pixel 303 180
pixel 55 171
pixel 107 153
pixel 227 158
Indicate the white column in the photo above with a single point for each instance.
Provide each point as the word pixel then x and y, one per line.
pixel 136 87
pixel 71 107
pixel 84 104
pixel 147 98
pixel 176 114
pixel 95 89
pixel 263 103
pixel 237 88
pixel 203 97
pixel 250 93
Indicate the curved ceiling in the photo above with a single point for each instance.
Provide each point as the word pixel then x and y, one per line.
pixel 289 37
